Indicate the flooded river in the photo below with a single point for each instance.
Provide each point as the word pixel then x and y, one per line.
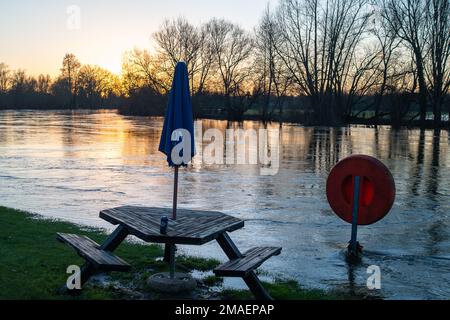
pixel 70 165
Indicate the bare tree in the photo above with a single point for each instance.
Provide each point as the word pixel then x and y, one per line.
pixel 205 60
pixel 141 69
pixel 19 81
pixel 407 20
pixel 232 47
pixel 4 78
pixel 438 46
pixel 387 44
pixel 96 85
pixel 364 76
pixel 320 40
pixel 69 73
pixel 87 84
pixel 44 83
pixel 178 40
pixel 273 77
pixel 19 86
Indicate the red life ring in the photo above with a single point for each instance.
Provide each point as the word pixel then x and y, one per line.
pixel 377 189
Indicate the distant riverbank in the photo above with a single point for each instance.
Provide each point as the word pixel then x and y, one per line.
pixel 289 117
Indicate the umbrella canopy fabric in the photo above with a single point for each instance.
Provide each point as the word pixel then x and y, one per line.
pixel 178 116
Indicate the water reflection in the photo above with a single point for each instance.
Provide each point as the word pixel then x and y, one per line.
pixel 433 181
pixel 70 165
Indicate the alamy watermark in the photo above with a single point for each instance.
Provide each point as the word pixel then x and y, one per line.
pixel 374 280
pixel 74 280
pixel 73 21
pixel 232 147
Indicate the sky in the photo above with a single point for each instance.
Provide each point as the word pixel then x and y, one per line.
pixel 35 35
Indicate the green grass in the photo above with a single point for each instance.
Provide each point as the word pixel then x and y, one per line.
pixel 213 281
pixel 283 290
pixel 33 264
pixel 195 263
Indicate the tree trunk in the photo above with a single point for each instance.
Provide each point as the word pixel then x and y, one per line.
pixel 228 106
pixel 422 89
pixel 437 110
pixel 379 98
pixel 448 114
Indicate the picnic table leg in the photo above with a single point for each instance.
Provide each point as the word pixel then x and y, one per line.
pixel 115 239
pixel 251 279
pixel 87 270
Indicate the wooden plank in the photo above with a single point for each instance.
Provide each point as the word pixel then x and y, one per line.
pixel 250 260
pixel 90 250
pixel 191 227
pixel 251 278
pixel 114 239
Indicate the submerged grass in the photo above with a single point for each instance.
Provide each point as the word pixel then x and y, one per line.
pixel 283 290
pixel 33 265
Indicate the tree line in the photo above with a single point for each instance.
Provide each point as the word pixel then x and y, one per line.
pixel 314 61
pixel 77 86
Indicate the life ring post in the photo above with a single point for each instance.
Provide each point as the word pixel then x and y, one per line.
pixel 354 245
pixel 361 191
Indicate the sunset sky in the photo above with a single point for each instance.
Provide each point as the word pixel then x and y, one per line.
pixel 35 35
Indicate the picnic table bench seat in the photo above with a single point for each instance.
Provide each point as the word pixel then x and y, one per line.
pixel 250 260
pixel 90 250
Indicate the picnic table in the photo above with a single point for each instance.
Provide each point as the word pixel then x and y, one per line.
pixel 192 227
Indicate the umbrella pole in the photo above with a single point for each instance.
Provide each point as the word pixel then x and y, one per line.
pixel 172 261
pixel 175 194
pixel 174 217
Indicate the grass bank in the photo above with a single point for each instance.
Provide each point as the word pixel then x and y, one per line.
pixel 33 266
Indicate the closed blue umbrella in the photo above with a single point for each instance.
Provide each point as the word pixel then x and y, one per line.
pixel 178 114
pixel 178 117
pixel 178 130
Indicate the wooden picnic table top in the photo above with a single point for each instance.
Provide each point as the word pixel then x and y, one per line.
pixel 193 227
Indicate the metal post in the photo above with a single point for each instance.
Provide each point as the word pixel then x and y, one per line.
pixel 172 261
pixel 353 241
pixel 175 194
pixel 174 217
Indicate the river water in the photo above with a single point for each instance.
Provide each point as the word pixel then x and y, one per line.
pixel 70 165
